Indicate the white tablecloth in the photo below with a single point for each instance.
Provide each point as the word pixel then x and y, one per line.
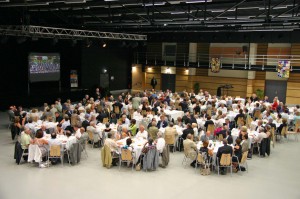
pixel 137 145
pixel 251 135
pixel 174 114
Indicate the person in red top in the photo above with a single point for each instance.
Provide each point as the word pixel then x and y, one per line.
pixel 275 103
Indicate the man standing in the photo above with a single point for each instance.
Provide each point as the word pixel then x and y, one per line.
pixel 153 82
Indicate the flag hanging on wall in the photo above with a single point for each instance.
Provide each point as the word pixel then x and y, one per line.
pixel 215 65
pixel 283 68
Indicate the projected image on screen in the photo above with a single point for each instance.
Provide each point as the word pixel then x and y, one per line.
pixel 44 67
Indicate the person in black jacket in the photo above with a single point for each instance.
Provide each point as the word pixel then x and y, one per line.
pixel 184 105
pixel 188 130
pixel 86 122
pixel 224 150
pixel 229 137
pixel 208 121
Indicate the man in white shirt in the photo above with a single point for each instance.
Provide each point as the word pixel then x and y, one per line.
pixel 66 122
pixel 77 131
pixel 70 140
pixel 95 131
pixel 137 114
pixel 223 109
pixel 160 143
pixel 142 133
pixel 125 120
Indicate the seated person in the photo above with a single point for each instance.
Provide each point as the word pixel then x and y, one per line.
pixel 113 146
pixel 25 140
pixel 204 149
pixel 153 130
pixel 106 130
pixel 188 130
pixel 132 127
pixel 190 149
pixel 226 149
pixel 284 124
pixel 207 136
pixel 237 150
pixel 54 142
pixel 229 137
pixel 42 143
pixel 208 121
pixel 128 144
pixel 142 133
pixel 124 133
pixel 71 139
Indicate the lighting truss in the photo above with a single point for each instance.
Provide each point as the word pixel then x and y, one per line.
pixel 63 33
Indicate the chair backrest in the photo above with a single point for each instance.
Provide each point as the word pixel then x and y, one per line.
pixel 208 112
pixel 91 135
pixel 297 125
pixel 201 158
pixel 170 139
pixel 225 160
pixel 126 155
pixel 116 109
pixel 211 128
pixel 257 113
pixel 221 137
pixel 248 121
pixel 244 157
pixel 240 120
pixel 105 120
pixel 284 130
pixel 54 151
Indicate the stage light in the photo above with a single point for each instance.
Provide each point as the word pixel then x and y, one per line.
pixel 103 44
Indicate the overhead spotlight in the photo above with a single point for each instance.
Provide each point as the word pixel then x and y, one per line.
pixel 104 44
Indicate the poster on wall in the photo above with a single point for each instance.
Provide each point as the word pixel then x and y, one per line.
pixel 215 65
pixel 283 68
pixel 74 78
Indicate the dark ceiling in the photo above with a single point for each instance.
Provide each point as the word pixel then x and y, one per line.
pixel 144 16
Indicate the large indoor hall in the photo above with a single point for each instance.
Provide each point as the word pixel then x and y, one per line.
pixel 149 99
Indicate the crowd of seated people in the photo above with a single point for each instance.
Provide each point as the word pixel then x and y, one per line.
pixel 142 115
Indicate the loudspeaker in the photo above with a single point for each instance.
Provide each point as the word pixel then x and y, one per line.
pixel 245 49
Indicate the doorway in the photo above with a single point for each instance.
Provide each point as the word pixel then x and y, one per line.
pixel 168 82
pixel 276 88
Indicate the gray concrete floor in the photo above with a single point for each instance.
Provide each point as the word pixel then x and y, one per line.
pixel 274 177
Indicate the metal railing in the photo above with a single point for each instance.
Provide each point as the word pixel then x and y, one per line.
pixel 229 61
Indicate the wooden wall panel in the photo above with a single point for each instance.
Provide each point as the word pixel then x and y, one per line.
pixel 201 72
pixel 259 84
pixel 203 52
pixel 262 49
pixel 212 83
pixel 260 75
pixel 181 71
pixel 181 82
pixel 293 89
pixel 295 50
pixel 152 71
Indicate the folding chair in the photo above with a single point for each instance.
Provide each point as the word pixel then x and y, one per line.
pixel 187 158
pixel 225 162
pixel 105 120
pixel 244 161
pixel 201 159
pixel 126 156
pixel 55 152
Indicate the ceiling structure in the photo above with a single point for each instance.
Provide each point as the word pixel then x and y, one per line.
pixel 151 16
